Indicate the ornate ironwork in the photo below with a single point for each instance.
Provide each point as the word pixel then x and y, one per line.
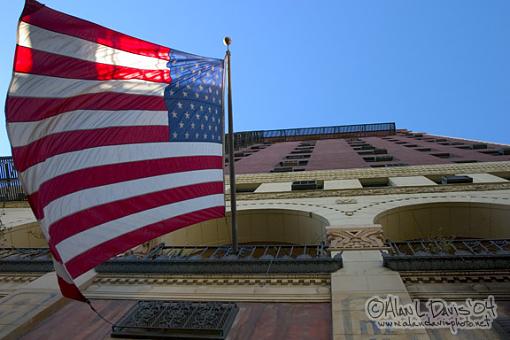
pixel 25 260
pixel 222 260
pixel 177 320
pixel 444 254
pixel 192 260
pixel 10 186
pixel 246 138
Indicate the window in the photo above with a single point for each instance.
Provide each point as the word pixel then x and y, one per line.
pixel 307 185
pixel 382 158
pixel 374 182
pixel 298 156
pixel 246 187
pixel 441 154
pixel 456 179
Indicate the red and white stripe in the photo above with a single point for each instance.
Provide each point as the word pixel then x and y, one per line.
pixel 89 132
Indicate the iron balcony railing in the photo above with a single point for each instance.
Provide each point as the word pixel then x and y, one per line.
pixel 444 254
pixel 192 260
pixel 10 186
pixel 247 138
pixel 212 260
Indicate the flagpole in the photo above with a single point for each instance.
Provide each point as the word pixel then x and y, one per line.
pixel 232 174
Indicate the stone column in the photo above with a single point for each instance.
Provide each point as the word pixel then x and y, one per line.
pixel 363 276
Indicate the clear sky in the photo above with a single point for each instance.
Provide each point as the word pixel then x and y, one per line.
pixel 437 66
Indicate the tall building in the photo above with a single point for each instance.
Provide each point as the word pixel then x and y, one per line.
pixel 331 219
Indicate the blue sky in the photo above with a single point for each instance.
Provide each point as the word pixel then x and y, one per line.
pixel 437 66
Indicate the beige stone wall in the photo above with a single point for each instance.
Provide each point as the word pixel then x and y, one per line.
pixel 282 226
pixel 447 219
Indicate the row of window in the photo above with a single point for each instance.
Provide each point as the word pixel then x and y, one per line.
pixel 376 182
pixel 480 147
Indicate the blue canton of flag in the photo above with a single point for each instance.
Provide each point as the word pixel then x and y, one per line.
pixel 194 98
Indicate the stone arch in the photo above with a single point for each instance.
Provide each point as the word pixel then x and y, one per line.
pixel 459 220
pixel 255 226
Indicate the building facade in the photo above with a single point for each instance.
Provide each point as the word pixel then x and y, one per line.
pixel 329 218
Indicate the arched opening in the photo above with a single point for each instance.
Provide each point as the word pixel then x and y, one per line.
pixel 446 220
pixel 261 226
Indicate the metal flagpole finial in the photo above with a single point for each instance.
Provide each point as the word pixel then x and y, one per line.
pixel 227 41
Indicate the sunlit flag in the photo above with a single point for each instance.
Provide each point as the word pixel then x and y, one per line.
pixel 117 140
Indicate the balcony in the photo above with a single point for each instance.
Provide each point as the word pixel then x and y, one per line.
pixel 251 259
pixel 444 254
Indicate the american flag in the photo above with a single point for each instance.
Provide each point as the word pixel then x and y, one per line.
pixel 117 140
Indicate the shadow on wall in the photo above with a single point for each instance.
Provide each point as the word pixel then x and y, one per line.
pixel 262 226
pixel 446 220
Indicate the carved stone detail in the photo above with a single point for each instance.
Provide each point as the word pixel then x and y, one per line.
pixel 357 238
pixel 302 280
pixel 372 191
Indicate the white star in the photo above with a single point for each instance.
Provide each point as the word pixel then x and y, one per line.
pixel 172 92
pixel 197 95
pixel 201 88
pixel 182 68
pixel 197 115
pixel 192 125
pixel 193 71
pixel 212 68
pixel 205 135
pixel 194 79
pixel 177 85
pixel 192 106
pixel 174 114
pixel 174 134
pixel 210 127
pixel 188 87
pixel 210 90
pixel 213 119
pixel 201 107
pixel 174 62
pixel 206 117
pixel 186 135
pixel 206 97
pixel 179 104
pixel 219 138
pixel 216 111
pixel 202 126
pixel 181 125
pixel 196 65
pixel 214 100
pixel 196 135
pixel 216 128
pixel 210 110
pixel 217 92
pixel 186 114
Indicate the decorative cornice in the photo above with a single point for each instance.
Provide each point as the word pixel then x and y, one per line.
pixel 216 280
pixel 416 170
pixel 19 277
pixel 373 191
pixel 455 277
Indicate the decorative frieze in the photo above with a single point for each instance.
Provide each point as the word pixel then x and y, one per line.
pixel 372 191
pixel 455 277
pixel 301 280
pixel 365 237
